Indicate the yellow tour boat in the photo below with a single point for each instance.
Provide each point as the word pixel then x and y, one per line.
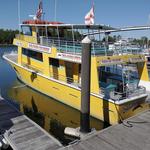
pixel 49 61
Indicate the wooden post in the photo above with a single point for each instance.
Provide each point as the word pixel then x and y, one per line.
pixel 85 85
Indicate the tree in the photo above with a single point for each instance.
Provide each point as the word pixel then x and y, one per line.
pixel 6 36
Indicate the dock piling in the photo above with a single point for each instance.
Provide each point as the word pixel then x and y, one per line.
pixel 85 85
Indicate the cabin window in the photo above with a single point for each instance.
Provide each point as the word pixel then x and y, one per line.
pixel 52 32
pixel 54 62
pixel 33 54
pixel 27 30
pixel 41 31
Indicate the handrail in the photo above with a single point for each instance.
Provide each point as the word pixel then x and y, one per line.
pixel 114 95
pixel 65 79
pixel 65 45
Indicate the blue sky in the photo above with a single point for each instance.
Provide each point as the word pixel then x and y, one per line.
pixel 117 13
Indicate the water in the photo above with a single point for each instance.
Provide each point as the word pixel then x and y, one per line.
pixel 50 114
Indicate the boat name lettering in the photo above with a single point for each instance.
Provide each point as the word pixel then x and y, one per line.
pixel 69 57
pixel 18 43
pixel 137 59
pixel 39 47
pixel 109 61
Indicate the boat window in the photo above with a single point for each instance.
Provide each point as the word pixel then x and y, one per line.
pixel 54 62
pixel 33 54
pixel 41 31
pixel 27 30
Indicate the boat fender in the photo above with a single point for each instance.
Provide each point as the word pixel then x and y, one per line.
pixel 0 144
pixel 72 132
pixel 75 132
pixel 5 144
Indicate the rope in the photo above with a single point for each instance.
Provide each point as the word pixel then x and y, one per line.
pixel 127 123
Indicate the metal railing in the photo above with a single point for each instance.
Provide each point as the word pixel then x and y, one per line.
pixel 65 79
pixel 127 49
pixel 69 46
pixel 117 96
pixel 65 45
pixel 59 77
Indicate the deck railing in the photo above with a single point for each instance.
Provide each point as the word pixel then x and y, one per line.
pixel 69 80
pixel 117 96
pixel 69 46
pixel 127 49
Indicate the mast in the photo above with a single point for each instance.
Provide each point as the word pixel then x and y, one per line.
pixel 55 11
pixel 19 15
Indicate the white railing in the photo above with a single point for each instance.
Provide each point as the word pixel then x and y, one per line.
pixel 70 46
pixel 114 95
pixel 74 46
pixel 65 79
pixel 123 50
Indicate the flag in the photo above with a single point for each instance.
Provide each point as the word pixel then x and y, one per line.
pixel 89 17
pixel 39 10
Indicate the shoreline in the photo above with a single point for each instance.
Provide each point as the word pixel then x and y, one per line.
pixel 3 45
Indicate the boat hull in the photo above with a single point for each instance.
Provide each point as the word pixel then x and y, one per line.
pixel 100 108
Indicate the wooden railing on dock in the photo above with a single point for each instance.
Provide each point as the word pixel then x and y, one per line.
pixel 21 132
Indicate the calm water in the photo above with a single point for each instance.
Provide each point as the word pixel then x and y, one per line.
pixel 50 114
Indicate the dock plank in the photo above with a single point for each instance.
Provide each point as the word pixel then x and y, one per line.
pixel 133 134
pixel 22 133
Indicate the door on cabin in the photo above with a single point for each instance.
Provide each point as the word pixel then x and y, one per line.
pixel 69 72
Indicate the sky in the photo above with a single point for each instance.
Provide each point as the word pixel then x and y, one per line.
pixel 116 13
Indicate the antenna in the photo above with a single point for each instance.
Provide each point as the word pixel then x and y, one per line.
pixel 19 14
pixel 149 19
pixel 55 10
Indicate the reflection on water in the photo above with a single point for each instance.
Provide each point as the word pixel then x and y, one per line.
pixel 50 114
pixel 7 75
pixel 47 112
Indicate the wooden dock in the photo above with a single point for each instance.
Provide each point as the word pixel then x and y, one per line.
pixel 21 132
pixel 133 134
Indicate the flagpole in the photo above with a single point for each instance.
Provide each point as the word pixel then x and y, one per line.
pixel 55 13
pixel 19 14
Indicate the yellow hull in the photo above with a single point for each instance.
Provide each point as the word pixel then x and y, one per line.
pixel 99 108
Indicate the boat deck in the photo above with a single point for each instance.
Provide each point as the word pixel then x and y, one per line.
pixel 133 134
pixel 21 132
pixel 13 57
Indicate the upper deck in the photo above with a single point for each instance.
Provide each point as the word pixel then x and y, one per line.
pixel 64 41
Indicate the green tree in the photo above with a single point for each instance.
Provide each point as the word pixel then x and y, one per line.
pixel 6 36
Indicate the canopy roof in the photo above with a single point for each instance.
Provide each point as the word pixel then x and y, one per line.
pixel 40 23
